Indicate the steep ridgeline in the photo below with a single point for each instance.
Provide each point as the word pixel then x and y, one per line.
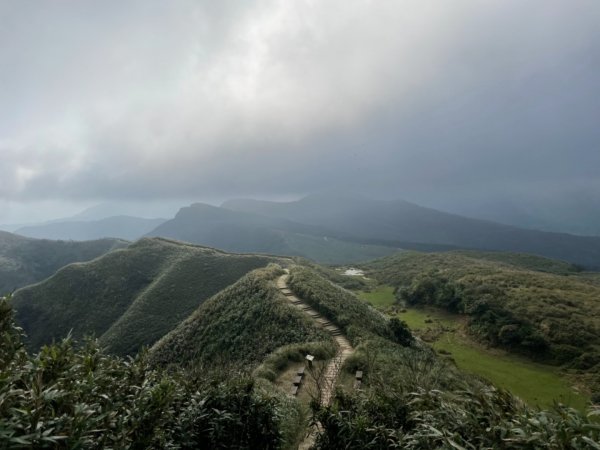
pixel 248 232
pixel 130 297
pixel 239 326
pixel 357 320
pixel 403 224
pixel 123 227
pixel 25 260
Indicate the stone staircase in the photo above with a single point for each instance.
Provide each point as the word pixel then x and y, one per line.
pixel 334 366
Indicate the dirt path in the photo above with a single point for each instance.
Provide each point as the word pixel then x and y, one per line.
pixel 334 366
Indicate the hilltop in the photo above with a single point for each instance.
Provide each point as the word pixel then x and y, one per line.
pixel 403 224
pixel 25 260
pixel 129 297
pixel 240 325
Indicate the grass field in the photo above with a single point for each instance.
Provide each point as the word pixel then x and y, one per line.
pixel 381 297
pixel 537 384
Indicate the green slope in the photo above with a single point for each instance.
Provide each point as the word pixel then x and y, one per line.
pixel 130 297
pixel 355 318
pixel 25 260
pixel 328 250
pixel 239 326
pixel 551 314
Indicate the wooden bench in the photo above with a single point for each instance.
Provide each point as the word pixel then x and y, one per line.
pixel 300 371
pixel 359 375
pixel 294 390
pixel 297 380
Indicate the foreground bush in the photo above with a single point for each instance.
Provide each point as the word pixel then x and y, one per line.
pixel 67 397
pixel 486 419
pixel 413 400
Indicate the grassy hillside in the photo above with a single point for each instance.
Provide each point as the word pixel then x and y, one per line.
pixel 25 261
pixel 248 232
pixel 537 384
pixel 129 297
pixel 551 314
pixel 358 320
pixel 239 326
pixel 398 222
pixel 123 227
pixel 411 398
pixel 77 397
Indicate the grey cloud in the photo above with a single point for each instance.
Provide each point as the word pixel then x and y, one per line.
pixel 139 100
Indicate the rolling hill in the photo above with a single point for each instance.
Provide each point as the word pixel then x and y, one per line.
pixel 25 260
pixel 123 227
pixel 239 326
pixel 398 223
pixel 255 233
pixel 408 398
pixel 129 297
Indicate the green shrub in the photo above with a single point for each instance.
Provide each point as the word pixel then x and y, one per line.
pixel 413 400
pixel 280 358
pixel 68 397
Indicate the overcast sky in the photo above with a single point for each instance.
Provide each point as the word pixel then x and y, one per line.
pixel 438 102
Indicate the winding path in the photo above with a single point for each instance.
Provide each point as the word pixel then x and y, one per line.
pixel 344 348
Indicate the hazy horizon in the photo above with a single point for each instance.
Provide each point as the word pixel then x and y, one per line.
pixel 482 109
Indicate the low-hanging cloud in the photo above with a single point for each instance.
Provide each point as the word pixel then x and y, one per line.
pixel 152 99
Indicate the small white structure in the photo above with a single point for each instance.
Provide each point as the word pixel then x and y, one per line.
pixel 352 272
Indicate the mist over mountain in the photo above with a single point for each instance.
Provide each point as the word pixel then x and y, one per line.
pixel 122 227
pixel 395 222
pixel 240 231
pixel 300 224
pixel 576 212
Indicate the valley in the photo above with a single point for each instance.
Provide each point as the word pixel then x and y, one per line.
pixel 538 384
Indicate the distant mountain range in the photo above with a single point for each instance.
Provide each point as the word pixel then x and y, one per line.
pixel 25 260
pixel 129 297
pixel 327 228
pixel 571 212
pixel 122 227
pixel 403 224
pixel 240 231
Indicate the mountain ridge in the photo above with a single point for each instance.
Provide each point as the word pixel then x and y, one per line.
pixel 130 297
pixel 397 221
